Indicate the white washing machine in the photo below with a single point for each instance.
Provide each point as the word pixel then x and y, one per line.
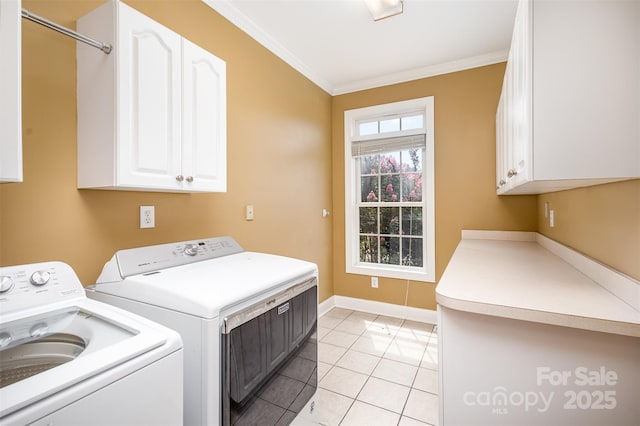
pixel 65 359
pixel 247 320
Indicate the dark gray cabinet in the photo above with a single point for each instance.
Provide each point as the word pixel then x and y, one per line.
pixel 277 326
pixel 258 347
pixel 248 367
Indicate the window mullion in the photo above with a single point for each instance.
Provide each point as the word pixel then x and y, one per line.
pixel 400 236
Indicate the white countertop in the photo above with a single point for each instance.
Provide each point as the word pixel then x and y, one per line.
pixel 526 276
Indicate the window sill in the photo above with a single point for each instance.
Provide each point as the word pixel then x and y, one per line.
pixel 391 272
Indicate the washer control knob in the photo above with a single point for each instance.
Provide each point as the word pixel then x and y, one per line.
pixel 39 330
pixel 191 249
pixel 6 284
pixel 40 278
pixel 5 339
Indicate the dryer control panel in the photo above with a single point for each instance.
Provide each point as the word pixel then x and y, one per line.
pixel 149 259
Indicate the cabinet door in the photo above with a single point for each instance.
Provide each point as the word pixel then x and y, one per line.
pixel 520 142
pixel 298 318
pixel 149 89
pixel 247 357
pixel 204 115
pixel 303 313
pixel 277 335
pixel 311 311
pixel 501 148
pixel 10 92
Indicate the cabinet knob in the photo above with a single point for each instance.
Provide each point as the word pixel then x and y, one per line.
pixel 512 172
pixel 503 182
pixel 189 179
pixel 179 178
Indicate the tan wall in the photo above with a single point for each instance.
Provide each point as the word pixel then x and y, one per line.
pixel 281 129
pixel 465 198
pixel 601 221
pixel 279 156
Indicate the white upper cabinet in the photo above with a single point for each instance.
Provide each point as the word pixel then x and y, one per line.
pixel 569 111
pixel 152 114
pixel 148 79
pixel 10 92
pixel 203 110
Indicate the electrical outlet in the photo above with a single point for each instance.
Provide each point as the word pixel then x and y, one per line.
pixel 249 212
pixel 374 282
pixel 147 217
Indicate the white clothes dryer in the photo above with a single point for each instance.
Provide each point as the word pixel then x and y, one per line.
pixel 248 322
pixel 66 359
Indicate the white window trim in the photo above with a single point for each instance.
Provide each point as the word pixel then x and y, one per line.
pixel 352 257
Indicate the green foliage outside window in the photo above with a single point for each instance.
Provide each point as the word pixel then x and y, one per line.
pixel 390 208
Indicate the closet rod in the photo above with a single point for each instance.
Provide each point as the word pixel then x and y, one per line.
pixel 106 48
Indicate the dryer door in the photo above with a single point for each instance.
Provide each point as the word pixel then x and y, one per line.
pixel 269 361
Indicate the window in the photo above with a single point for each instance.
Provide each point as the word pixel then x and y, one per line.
pixel 389 190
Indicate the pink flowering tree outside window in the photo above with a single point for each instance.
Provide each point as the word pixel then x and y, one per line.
pixel 390 208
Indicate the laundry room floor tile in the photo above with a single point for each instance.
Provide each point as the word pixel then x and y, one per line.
pixel 422 406
pixel 396 372
pixel 329 322
pixel 372 342
pixel 405 350
pixel 330 354
pixel 408 421
pixel 426 380
pixel 340 313
pixel 361 414
pixel 333 407
pixel 377 370
pixel 355 326
pixel 323 368
pixel 343 381
pixel 358 361
pixel 383 394
pixel 340 338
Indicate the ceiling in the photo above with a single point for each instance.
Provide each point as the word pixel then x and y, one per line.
pixel 338 46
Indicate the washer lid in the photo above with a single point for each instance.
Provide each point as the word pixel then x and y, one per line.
pixel 81 340
pixel 204 288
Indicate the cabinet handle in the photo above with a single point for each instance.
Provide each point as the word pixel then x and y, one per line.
pixel 179 178
pixel 512 173
pixel 189 179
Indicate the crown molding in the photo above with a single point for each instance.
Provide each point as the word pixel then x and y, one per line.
pixel 240 20
pixel 422 72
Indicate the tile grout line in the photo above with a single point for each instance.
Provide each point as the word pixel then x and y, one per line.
pixel 432 336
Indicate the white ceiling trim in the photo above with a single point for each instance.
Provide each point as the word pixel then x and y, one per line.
pixel 423 72
pixel 239 19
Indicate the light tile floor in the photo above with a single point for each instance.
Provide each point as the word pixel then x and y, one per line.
pixel 376 370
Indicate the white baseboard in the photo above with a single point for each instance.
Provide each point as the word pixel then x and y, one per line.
pixel 379 308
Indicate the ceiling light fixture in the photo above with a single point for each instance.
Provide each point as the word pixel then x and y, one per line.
pixel 381 9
